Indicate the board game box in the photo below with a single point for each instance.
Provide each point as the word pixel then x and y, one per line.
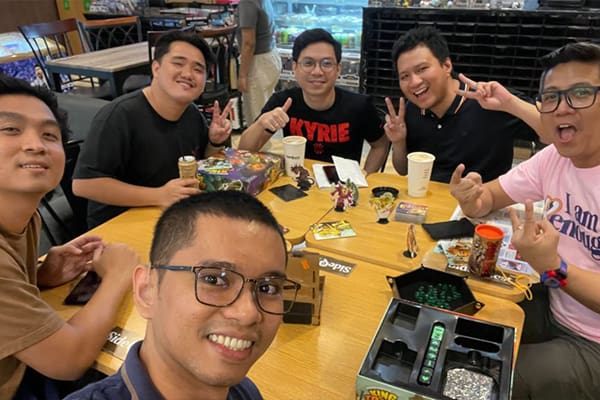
pixel 232 169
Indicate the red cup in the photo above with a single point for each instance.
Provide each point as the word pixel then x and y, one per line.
pixel 484 253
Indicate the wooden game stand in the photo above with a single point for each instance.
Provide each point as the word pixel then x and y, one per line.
pixel 303 267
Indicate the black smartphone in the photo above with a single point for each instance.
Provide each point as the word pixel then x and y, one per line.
pixel 287 192
pixel 331 173
pixel 84 290
pixel 450 229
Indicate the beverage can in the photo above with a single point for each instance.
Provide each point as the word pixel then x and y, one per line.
pixel 188 167
pixel 484 253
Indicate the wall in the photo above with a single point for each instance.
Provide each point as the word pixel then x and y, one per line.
pixel 19 12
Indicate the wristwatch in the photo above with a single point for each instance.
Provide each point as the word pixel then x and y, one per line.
pixel 555 278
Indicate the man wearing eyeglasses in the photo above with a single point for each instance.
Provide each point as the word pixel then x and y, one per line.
pixel 213 295
pixel 559 357
pixel 334 121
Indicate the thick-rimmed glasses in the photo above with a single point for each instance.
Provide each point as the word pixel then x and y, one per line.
pixel 577 98
pixel 220 287
pixel 309 64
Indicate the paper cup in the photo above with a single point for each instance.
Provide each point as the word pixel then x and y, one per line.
pixel 293 152
pixel 420 165
pixel 484 253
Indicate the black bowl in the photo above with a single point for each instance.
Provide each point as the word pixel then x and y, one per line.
pixel 379 190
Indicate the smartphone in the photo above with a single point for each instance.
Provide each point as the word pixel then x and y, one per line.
pixel 331 173
pixel 84 290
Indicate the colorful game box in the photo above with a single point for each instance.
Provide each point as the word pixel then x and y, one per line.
pixel 411 212
pixel 233 169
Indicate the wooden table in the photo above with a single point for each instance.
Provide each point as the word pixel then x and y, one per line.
pixel 319 362
pixel 298 215
pixel 114 64
pixel 384 244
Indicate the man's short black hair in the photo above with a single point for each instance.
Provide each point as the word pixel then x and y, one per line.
pixel 316 35
pixel 15 86
pixel 586 52
pixel 426 36
pixel 176 227
pixel 163 44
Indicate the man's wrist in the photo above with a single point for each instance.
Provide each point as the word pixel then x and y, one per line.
pixel 222 144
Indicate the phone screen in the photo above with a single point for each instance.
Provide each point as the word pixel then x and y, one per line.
pixel 331 173
pixel 84 289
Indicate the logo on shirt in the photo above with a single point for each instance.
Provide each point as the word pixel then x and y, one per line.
pixel 319 132
pixel 575 222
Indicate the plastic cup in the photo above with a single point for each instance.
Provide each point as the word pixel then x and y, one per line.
pixel 484 253
pixel 293 152
pixel 420 165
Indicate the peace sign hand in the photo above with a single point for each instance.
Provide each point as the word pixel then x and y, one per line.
pixel 395 127
pixel 490 95
pixel 220 126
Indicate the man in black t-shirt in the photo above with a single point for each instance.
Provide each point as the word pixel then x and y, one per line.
pixel 129 158
pixel 334 121
pixel 442 117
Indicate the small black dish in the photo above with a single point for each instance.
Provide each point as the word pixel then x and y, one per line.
pixel 379 190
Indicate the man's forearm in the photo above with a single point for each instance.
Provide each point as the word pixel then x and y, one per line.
pixel 527 113
pixel 114 192
pixel 399 157
pixel 247 51
pixel 254 137
pixel 376 157
pixel 583 286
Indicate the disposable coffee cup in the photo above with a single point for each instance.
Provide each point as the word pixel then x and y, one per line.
pixel 293 152
pixel 484 253
pixel 420 165
pixel 188 167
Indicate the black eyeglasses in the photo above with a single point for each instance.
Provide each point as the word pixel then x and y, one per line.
pixel 576 97
pixel 309 64
pixel 220 287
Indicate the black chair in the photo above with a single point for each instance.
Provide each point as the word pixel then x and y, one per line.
pixel 101 34
pixel 70 226
pixel 218 85
pixel 58 39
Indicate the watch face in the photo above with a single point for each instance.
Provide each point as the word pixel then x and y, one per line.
pixel 552 282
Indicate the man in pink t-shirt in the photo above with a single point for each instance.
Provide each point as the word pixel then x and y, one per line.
pixel 560 353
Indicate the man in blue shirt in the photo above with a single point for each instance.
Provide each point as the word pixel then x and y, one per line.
pixel 213 300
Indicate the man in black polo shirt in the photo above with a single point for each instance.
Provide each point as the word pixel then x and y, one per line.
pixel 438 119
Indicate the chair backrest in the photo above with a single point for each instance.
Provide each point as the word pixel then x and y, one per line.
pixel 51 40
pixel 112 32
pixel 78 204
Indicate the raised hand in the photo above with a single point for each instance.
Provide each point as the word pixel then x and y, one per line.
pixel 467 190
pixel 490 95
pixel 536 241
pixel 220 126
pixel 395 127
pixel 277 118
pixel 64 263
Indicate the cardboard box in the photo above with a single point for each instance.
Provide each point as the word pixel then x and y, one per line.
pixel 233 169
pixel 421 352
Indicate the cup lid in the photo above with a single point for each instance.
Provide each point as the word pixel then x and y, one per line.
pixel 490 232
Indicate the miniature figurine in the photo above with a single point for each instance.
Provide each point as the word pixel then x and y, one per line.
pixel 342 196
pixel 302 178
pixel 354 189
pixel 411 242
pixel 383 206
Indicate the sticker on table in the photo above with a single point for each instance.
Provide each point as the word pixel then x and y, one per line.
pixel 119 341
pixel 335 266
